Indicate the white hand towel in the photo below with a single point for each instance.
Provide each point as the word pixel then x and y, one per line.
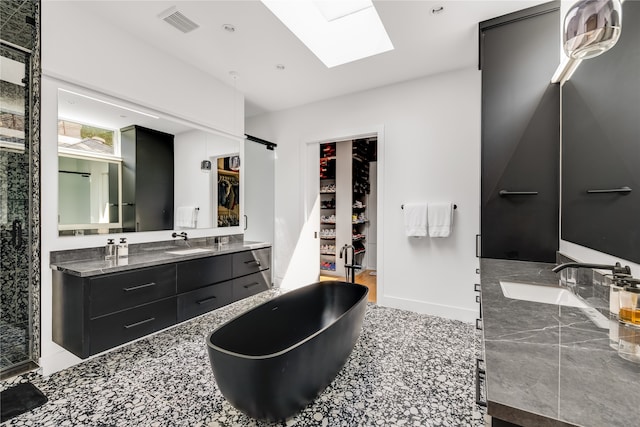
pixel 187 217
pixel 440 219
pixel 415 219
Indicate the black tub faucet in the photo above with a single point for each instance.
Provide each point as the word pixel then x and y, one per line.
pixel 617 269
pixel 183 235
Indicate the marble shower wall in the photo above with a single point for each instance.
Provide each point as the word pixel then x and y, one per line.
pixel 20 186
pixel 14 247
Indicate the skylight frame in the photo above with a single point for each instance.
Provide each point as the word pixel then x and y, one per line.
pixel 349 37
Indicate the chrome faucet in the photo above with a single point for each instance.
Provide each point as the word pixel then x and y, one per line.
pixel 617 270
pixel 183 235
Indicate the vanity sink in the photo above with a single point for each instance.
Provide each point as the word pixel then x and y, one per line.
pixel 191 251
pixel 541 293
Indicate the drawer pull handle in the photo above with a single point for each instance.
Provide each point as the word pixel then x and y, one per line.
pixel 142 322
pixel 253 261
pixel 251 285
pixel 206 300
pixel 621 190
pixel 135 288
pixel 504 193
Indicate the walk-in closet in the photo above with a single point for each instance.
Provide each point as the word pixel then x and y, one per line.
pixel 348 209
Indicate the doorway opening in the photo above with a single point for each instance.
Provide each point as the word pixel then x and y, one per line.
pixel 348 223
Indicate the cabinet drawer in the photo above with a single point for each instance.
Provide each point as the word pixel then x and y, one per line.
pixel 251 261
pixel 251 284
pixel 200 301
pixel 115 329
pixel 120 291
pixel 203 272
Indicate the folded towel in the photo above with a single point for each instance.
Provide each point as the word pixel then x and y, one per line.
pixel 440 219
pixel 415 219
pixel 187 217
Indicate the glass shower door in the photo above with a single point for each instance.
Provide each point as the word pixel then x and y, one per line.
pixel 15 201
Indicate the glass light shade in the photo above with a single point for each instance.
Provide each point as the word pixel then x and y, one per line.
pixel 591 27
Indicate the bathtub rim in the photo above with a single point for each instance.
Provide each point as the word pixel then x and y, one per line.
pixel 299 343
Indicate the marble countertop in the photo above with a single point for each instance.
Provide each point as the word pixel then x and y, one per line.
pixel 91 262
pixel 550 365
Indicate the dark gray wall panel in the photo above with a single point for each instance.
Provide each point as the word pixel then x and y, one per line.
pixel 601 146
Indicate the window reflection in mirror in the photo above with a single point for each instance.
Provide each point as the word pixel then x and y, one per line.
pixel 88 194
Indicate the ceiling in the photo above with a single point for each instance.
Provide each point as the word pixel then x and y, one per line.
pixel 425 44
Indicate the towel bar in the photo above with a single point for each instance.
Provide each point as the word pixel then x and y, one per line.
pixel 454 206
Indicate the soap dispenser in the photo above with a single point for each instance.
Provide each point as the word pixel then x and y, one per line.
pixel 110 250
pixel 123 248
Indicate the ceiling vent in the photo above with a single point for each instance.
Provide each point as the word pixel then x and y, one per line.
pixel 176 19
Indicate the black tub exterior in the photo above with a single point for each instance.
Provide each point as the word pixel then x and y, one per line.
pixel 273 360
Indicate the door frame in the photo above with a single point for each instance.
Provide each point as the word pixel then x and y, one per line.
pixel 310 178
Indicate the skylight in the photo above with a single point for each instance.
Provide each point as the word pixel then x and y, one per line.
pixel 336 31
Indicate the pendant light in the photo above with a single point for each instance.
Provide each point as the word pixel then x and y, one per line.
pixel 591 27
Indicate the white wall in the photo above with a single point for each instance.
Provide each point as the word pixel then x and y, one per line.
pixel 74 49
pixel 431 152
pixel 372 214
pixel 79 47
pixel 194 187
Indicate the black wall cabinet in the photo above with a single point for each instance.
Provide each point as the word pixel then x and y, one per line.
pixel 147 179
pixel 520 134
pixel 601 147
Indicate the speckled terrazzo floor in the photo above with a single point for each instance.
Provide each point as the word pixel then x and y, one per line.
pixel 406 369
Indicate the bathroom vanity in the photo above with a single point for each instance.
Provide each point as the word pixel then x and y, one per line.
pixel 550 364
pixel 99 304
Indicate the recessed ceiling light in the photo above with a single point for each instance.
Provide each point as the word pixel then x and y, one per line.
pixel 280 67
pixel 229 28
pixel 438 9
pixel 337 32
pixel 233 74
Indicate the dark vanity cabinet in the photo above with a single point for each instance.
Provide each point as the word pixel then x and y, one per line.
pixel 96 313
pixel 93 314
pixel 147 179
pixel 519 53
pixel 601 147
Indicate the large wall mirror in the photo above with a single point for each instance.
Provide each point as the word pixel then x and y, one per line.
pixel 122 169
pixel 601 147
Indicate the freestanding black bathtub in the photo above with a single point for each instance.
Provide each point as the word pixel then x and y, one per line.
pixel 273 360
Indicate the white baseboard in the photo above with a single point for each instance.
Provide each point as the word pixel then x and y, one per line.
pixel 423 307
pixel 59 361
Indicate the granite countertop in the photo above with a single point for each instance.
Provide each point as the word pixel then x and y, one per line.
pixel 91 262
pixel 550 365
